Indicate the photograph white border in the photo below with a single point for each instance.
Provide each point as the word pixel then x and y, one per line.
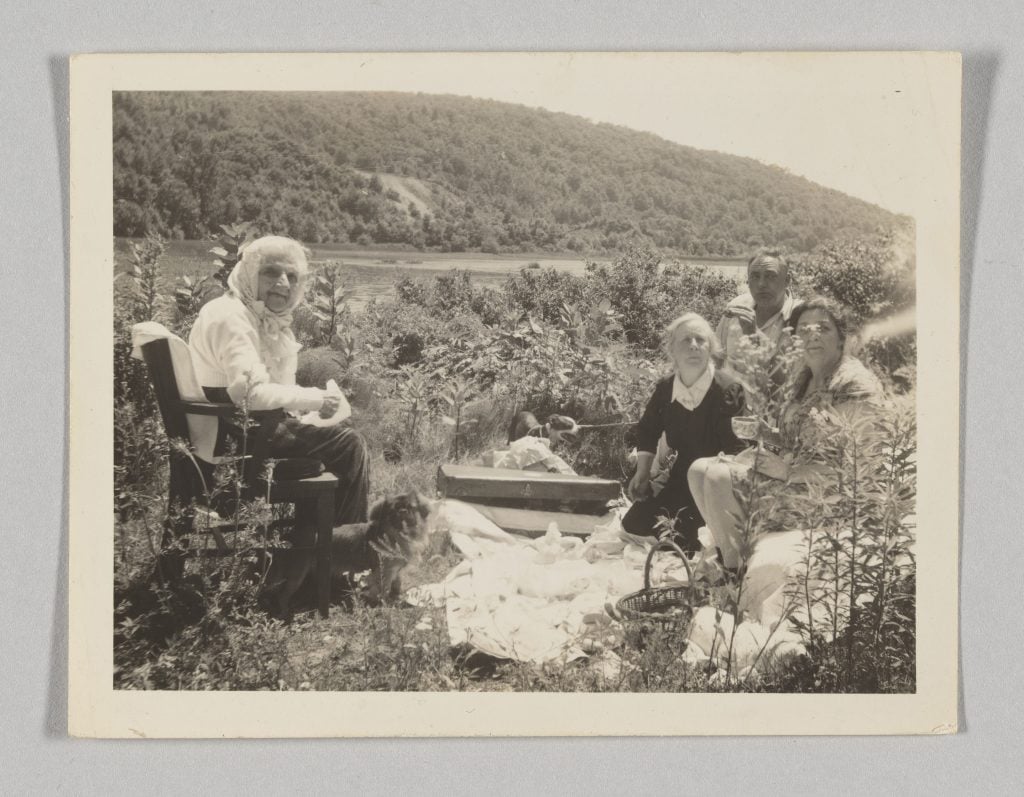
pixel 931 80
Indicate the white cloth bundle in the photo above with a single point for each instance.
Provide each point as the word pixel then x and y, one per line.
pixel 344 411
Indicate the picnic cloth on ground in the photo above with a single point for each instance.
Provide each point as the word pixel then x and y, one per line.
pixel 773 603
pixel 537 600
pixel 754 645
pixel 529 600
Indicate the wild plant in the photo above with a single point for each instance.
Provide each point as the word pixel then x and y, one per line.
pixel 762 368
pixel 138 296
pixel 598 325
pixel 328 301
pixel 414 392
pixel 856 585
pixel 765 370
pixel 544 293
pixel 221 589
pixel 228 251
pixel 139 443
pixel 144 300
pixel 455 396
pixel 648 293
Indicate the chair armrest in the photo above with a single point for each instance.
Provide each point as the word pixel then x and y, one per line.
pixel 222 409
pixel 225 409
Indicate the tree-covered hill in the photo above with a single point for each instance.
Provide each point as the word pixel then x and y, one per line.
pixel 449 173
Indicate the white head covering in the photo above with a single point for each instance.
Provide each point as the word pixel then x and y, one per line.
pixel 277 341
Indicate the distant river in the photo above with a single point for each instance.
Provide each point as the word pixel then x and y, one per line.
pixel 372 272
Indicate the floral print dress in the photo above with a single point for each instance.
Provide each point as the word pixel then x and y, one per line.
pixel 812 424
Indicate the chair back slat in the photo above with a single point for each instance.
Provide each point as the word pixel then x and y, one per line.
pixel 157 355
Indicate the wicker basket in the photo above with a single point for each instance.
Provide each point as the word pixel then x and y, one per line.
pixel 666 607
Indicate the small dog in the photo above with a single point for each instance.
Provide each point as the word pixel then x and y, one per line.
pixel 559 428
pixel 395 536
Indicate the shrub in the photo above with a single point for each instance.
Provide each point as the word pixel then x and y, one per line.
pixel 857 593
pixel 139 295
pixel 542 292
pixel 648 295
pixel 634 286
pixel 451 294
pixel 874 279
pixel 327 302
pixel 699 289
pixel 139 442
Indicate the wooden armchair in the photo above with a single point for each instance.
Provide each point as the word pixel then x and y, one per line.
pixel 313 496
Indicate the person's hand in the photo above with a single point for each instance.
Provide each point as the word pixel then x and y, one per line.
pixel 742 313
pixel 639 486
pixel 330 406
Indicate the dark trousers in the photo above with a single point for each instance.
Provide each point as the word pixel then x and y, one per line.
pixel 674 502
pixel 342 450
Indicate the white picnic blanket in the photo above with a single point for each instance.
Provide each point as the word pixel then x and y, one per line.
pixel 536 600
pixel 547 600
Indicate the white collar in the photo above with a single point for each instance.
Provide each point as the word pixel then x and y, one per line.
pixel 692 396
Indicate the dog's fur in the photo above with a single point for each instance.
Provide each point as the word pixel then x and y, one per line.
pixel 559 428
pixel 395 536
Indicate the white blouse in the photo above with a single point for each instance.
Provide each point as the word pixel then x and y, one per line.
pixel 225 348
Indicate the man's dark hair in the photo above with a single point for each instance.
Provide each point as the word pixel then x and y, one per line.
pixel 766 252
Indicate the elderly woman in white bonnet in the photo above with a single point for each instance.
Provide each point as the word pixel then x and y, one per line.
pixel 244 350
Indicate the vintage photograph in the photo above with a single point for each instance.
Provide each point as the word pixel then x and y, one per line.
pixel 563 386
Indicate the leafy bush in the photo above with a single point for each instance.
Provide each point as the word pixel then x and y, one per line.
pixel 543 292
pixel 395 334
pixel 647 295
pixel 327 301
pixel 139 295
pixel 139 441
pixel 874 279
pixel 857 593
pixel 451 294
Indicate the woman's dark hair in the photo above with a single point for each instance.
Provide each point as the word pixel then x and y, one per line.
pixel 835 311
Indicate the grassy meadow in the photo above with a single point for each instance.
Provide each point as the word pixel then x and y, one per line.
pixel 436 352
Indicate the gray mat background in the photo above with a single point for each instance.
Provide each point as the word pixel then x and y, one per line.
pixel 37 756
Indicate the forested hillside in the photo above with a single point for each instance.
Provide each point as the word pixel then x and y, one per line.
pixel 449 173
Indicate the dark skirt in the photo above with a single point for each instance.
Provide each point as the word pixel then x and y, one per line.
pixel 675 502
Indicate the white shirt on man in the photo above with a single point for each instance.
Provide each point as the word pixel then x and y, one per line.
pixel 730 331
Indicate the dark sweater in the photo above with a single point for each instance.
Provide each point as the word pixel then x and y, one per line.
pixel 702 432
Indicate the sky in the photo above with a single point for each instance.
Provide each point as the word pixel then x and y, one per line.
pixel 855 122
